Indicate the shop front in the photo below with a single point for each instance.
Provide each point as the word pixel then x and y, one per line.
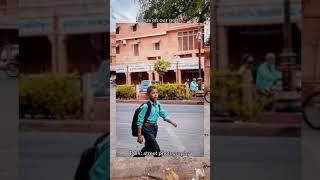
pixel 254 27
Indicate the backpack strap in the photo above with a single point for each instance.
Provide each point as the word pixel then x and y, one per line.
pixel 100 139
pixel 148 112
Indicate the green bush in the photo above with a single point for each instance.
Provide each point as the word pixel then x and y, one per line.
pixel 125 91
pixel 171 91
pixel 54 95
pixel 227 91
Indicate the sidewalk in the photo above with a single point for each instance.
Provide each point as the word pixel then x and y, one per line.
pixel 271 124
pixel 79 126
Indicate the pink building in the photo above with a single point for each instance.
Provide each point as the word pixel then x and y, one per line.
pixel 139 45
pixel 112 50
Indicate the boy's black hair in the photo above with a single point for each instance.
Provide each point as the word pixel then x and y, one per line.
pixel 150 88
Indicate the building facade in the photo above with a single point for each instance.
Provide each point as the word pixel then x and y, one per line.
pixel 254 27
pixel 113 74
pixel 63 35
pixel 140 45
pixel 8 23
pixel 311 46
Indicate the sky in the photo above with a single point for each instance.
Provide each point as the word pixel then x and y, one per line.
pixel 127 10
pixel 122 11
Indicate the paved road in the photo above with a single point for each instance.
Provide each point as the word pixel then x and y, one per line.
pixel 310 153
pixel 244 158
pixel 51 156
pixel 8 127
pixel 187 137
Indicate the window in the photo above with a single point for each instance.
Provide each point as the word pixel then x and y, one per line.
pixel 117 30
pixel 118 49
pixel 195 40
pixel 113 50
pixel 152 58
pixel 157 45
pixel 134 28
pixel 185 41
pixel 185 55
pixel 154 25
pixel 190 40
pixel 136 49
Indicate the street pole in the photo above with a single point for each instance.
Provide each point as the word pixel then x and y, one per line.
pixel 287 56
pixel 55 39
pixel 199 55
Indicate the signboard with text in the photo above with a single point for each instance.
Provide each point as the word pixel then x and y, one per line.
pixel 38 26
pixel 138 68
pixel 256 14
pixel 66 25
pixel 87 24
pixel 120 69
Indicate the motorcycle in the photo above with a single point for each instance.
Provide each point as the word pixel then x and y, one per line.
pixel 9 60
pixel 11 67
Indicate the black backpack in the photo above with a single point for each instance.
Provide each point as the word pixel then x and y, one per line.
pixel 134 126
pixel 87 160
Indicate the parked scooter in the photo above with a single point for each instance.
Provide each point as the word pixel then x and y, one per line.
pixel 9 60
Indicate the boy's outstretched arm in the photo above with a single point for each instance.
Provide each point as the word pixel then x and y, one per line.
pixel 173 123
pixel 165 117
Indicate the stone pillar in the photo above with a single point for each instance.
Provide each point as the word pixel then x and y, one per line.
pixel 156 76
pixel 179 77
pixel 53 53
pixel 128 78
pixel 150 75
pixel 223 51
pixel 207 68
pixel 58 53
pixel 62 54
pixel 88 97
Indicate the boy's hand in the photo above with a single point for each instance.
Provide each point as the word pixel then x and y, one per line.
pixel 174 124
pixel 140 140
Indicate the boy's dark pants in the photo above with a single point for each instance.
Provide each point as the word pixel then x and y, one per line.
pixel 151 145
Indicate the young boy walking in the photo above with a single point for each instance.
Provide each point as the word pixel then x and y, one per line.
pixel 149 129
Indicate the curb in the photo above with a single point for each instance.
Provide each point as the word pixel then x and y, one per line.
pixel 270 124
pixel 76 126
pixel 256 129
pixel 183 102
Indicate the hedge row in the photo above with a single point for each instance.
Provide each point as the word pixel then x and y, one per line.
pixel 166 91
pixel 52 95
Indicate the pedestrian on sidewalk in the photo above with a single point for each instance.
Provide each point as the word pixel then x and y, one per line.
pixel 268 77
pixel 187 85
pixel 149 129
pixel 247 73
pixel 194 86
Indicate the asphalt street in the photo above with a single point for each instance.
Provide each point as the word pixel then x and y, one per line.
pixel 187 137
pixel 310 153
pixel 244 158
pixel 8 128
pixel 51 156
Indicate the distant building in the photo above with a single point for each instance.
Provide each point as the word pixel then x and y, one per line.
pixel 140 45
pixel 63 36
pixel 112 52
pixel 8 22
